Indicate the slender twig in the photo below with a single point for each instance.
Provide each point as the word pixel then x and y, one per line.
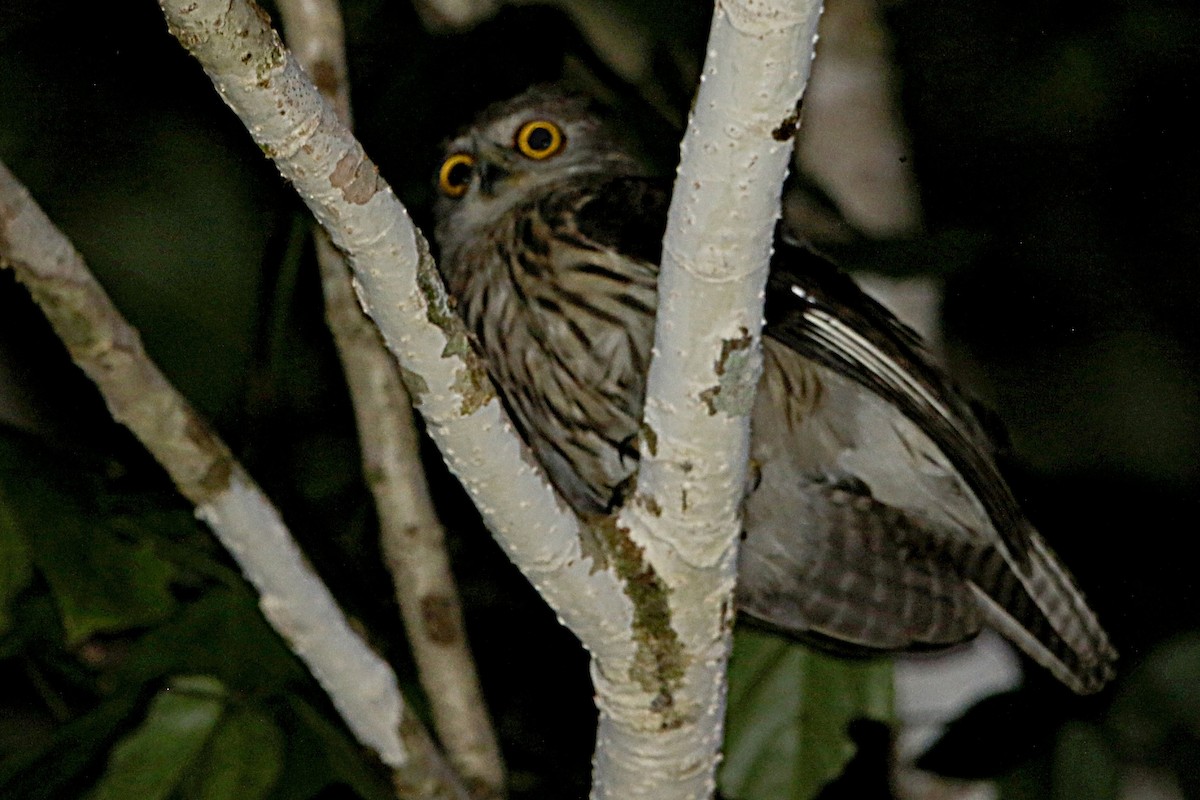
pixel 413 538
pixel 292 597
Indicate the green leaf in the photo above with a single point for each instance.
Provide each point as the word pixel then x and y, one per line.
pixel 1156 712
pixel 100 581
pixel 54 772
pixel 15 567
pixel 242 761
pixel 1084 764
pixel 320 754
pixel 149 763
pixel 789 708
pixel 222 633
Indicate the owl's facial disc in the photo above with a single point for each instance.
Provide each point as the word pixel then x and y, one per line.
pixel 515 151
pixel 494 168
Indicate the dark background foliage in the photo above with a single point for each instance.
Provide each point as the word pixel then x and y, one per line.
pixel 1061 181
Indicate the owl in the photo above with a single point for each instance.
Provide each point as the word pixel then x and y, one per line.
pixel 875 517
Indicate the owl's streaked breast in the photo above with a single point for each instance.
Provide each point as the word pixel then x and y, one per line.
pixel 566 326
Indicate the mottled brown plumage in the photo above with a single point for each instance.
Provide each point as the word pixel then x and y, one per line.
pixel 876 518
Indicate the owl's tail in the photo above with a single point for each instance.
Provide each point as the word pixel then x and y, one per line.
pixel 1037 605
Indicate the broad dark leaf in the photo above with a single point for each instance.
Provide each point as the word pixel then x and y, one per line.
pixel 221 634
pixel 789 710
pixel 15 566
pixel 56 771
pixel 150 762
pixel 321 756
pixel 101 581
pixel 242 761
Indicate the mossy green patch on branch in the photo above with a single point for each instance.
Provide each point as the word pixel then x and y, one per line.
pixel 660 660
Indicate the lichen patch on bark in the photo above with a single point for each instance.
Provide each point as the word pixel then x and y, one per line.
pixel 736 369
pixel 660 660
pixel 438 613
pixel 787 129
pixel 356 176
pixel 221 464
pixel 437 304
pixel 472 384
pixel 414 383
pixel 471 381
pixel 650 437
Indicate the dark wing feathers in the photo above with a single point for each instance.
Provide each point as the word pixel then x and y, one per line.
pixel 629 215
pixel 823 315
pixel 874 577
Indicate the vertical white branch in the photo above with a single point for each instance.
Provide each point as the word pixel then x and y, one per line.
pixel 703 375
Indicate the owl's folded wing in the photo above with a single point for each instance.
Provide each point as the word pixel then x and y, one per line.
pixel 823 315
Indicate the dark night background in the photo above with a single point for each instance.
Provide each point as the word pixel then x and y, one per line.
pixel 1057 158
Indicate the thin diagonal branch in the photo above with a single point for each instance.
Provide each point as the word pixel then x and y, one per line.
pixel 413 538
pixel 398 284
pixel 292 597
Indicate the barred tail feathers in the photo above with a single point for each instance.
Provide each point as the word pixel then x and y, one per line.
pixel 1040 609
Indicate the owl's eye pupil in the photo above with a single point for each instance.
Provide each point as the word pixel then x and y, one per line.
pixel 459 175
pixel 540 139
pixel 455 174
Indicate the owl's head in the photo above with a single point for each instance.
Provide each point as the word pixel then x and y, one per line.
pixel 516 148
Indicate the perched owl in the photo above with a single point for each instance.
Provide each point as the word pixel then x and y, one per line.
pixel 876 518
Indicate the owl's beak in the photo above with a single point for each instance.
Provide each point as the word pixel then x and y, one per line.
pixel 491 175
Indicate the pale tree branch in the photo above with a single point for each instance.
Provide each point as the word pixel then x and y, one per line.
pixel 398 284
pixel 648 592
pixel 292 597
pixel 686 512
pixel 412 537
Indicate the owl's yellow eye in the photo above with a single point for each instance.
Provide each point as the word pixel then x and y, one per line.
pixel 455 175
pixel 539 139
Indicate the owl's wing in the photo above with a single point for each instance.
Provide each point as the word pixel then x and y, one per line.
pixel 937 570
pixel 831 558
pixel 821 313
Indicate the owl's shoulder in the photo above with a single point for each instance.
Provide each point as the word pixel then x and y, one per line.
pixel 625 213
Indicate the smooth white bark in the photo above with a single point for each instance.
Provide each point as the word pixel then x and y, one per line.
pixel 300 608
pixel 702 380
